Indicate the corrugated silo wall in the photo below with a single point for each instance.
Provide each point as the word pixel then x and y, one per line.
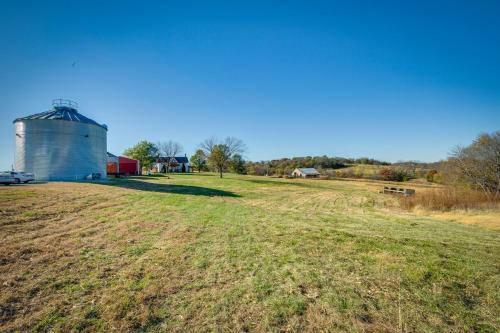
pixel 60 149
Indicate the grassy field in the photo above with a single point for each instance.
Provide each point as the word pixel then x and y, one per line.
pixel 373 172
pixel 364 170
pixel 197 253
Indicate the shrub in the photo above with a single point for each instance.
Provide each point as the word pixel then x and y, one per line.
pixel 330 173
pixel 449 198
pixel 430 175
pixel 392 174
pixel 349 173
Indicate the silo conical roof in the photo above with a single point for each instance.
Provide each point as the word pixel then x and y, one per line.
pixel 62 113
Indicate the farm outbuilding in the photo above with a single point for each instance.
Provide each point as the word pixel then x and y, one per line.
pixel 113 164
pixel 305 173
pixel 129 166
pixel 60 144
pixel 122 165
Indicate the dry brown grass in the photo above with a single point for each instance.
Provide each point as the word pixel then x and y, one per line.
pixel 448 198
pixel 79 249
pixel 485 218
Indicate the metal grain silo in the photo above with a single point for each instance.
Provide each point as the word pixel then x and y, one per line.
pixel 60 144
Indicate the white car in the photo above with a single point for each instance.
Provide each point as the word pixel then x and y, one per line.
pixel 20 177
pixel 7 179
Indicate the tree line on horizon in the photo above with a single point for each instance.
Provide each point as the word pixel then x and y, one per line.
pixel 476 166
pixel 285 166
pixel 226 156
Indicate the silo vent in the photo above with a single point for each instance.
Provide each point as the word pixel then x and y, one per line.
pixel 64 103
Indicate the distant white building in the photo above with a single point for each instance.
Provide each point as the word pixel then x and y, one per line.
pixel 177 164
pixel 305 173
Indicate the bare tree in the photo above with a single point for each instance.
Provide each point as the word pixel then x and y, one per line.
pixel 234 145
pixel 168 149
pixel 479 163
pixel 219 153
pixel 208 145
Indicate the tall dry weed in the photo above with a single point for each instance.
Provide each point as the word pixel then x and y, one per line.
pixel 449 199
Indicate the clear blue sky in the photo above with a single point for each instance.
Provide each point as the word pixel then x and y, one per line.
pixel 389 80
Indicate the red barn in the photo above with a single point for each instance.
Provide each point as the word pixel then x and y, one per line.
pixel 122 165
pixel 129 166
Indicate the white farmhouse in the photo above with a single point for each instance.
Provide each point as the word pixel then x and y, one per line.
pixel 177 164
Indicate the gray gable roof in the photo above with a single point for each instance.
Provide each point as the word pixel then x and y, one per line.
pixel 62 113
pixel 182 159
pixel 309 171
pixel 178 159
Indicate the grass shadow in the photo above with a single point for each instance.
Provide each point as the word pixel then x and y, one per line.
pixel 139 185
pixel 206 174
